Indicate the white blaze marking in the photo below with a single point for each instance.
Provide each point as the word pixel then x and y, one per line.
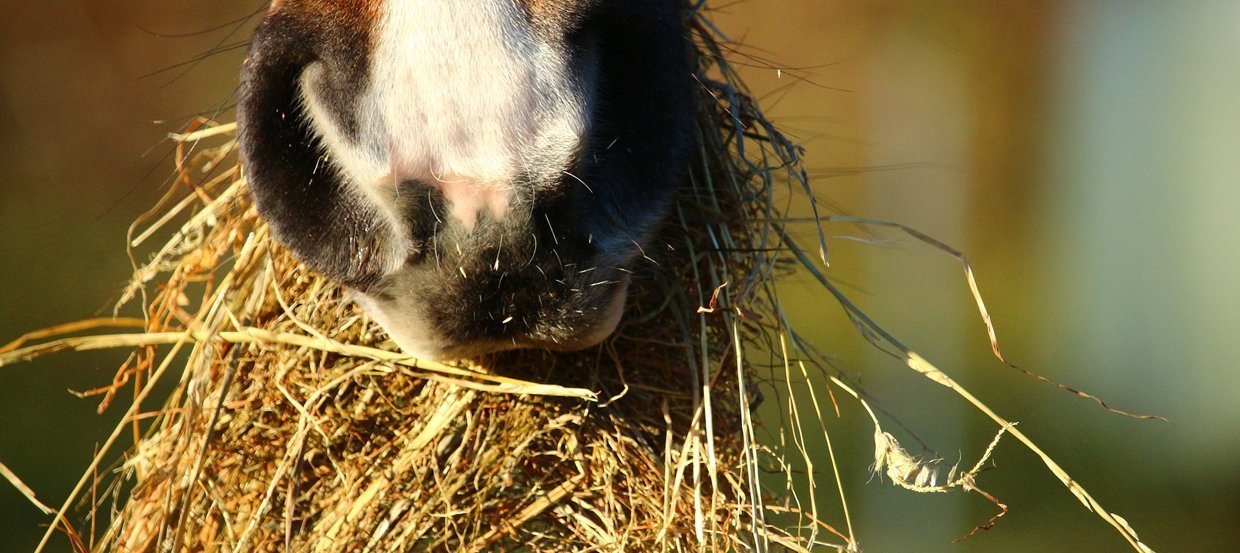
pixel 462 96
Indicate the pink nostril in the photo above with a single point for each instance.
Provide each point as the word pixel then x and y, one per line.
pixel 466 199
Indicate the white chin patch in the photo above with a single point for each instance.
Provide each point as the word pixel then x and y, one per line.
pixel 464 96
pixel 404 326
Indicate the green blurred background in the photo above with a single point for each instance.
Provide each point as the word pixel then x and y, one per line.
pixel 1082 153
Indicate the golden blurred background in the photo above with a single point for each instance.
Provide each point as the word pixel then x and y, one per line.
pixel 1082 153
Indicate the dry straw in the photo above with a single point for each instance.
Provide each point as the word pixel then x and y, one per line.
pixel 293 424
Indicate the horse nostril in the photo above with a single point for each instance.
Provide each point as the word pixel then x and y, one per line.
pixel 419 208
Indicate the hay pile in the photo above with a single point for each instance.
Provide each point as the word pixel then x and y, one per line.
pixel 294 425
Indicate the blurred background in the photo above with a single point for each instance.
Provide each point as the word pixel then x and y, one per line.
pixel 1082 154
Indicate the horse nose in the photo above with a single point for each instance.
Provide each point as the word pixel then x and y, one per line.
pixel 437 313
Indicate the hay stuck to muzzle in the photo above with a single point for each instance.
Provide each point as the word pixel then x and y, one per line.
pixel 295 425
